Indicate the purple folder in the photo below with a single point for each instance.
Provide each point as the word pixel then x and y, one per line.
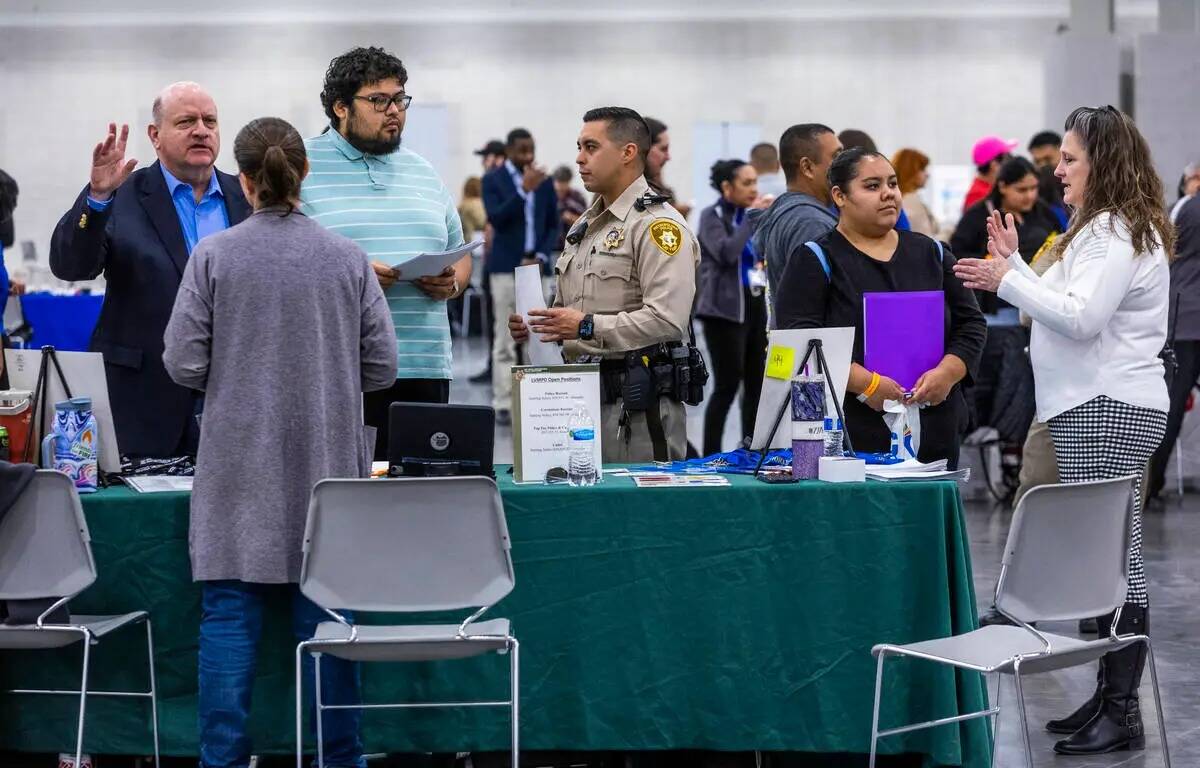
pixel 904 334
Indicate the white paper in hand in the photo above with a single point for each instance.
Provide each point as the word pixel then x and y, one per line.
pixel 530 296
pixel 433 264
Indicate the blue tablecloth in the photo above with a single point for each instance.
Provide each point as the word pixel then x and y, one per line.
pixel 64 322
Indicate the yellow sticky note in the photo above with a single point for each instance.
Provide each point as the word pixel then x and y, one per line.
pixel 781 362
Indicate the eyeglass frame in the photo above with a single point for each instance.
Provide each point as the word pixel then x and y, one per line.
pixel 400 100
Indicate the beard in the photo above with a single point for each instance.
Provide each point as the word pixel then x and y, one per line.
pixel 369 145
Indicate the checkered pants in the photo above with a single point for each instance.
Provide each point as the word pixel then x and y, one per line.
pixel 1105 438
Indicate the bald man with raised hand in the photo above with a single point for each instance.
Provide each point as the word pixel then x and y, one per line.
pixel 138 228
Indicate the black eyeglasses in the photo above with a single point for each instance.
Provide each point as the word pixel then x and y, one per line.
pixel 381 102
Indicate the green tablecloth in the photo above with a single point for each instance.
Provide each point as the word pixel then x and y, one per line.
pixel 716 618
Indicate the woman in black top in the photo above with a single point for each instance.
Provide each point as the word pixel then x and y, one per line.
pixel 1015 192
pixel 866 254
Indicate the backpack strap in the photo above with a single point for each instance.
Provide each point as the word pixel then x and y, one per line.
pixel 821 257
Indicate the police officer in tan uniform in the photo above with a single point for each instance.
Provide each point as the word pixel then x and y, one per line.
pixel 626 280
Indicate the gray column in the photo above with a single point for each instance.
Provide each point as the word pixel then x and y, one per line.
pixel 1178 16
pixel 1167 101
pixel 1081 70
pixel 1093 17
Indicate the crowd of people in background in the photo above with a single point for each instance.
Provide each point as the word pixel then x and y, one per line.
pixel 218 269
pixel 768 206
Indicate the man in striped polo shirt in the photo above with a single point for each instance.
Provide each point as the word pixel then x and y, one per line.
pixel 362 184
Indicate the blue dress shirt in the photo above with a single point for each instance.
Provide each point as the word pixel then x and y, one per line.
pixel 197 220
pixel 530 236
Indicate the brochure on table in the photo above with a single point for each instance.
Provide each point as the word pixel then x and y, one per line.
pixel 785 351
pixel 84 372
pixel 543 399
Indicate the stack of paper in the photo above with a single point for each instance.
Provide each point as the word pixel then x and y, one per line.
pixel 433 264
pixel 159 483
pixel 913 470
pixel 530 296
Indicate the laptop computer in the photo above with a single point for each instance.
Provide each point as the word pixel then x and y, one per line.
pixel 435 440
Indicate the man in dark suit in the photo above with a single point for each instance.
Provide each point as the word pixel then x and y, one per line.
pixel 138 228
pixel 522 208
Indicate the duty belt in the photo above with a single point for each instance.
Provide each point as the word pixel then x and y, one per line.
pixel 641 377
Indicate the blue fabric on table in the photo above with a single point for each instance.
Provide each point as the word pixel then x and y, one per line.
pixel 63 322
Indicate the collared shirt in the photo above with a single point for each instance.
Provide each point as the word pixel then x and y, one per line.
pixel 201 219
pixel 530 235
pixel 633 270
pixel 395 207
pixel 197 220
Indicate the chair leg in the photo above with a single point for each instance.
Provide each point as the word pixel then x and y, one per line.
pixel 1024 718
pixel 299 706
pixel 87 656
pixel 1158 710
pixel 875 715
pixel 996 721
pixel 515 693
pixel 317 696
pixel 153 689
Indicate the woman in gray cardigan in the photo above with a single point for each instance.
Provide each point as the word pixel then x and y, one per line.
pixel 283 326
pixel 729 298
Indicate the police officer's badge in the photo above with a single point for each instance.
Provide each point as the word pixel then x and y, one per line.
pixel 667 235
pixel 614 238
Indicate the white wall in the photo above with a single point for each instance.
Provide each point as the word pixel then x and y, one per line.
pixel 935 84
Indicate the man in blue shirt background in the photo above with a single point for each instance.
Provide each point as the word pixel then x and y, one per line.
pixel 522 208
pixel 138 229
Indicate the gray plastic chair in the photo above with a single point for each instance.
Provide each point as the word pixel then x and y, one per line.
pixel 45 553
pixel 406 546
pixel 1066 558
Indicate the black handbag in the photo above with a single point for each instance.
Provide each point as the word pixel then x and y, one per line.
pixel 1167 355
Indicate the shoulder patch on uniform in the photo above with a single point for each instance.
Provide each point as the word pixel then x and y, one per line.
pixel 667 235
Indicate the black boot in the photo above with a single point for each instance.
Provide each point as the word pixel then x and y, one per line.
pixel 1079 718
pixel 993 618
pixel 1118 723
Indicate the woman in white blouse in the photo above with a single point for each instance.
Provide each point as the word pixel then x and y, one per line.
pixel 1099 324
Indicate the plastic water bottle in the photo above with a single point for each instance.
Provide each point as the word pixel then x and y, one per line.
pixel 581 444
pixel 833 438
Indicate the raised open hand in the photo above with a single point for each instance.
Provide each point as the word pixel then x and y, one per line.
pixel 1002 235
pixel 109 166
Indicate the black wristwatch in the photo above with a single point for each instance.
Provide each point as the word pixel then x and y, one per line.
pixel 586 328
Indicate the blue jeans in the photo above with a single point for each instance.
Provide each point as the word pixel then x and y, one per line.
pixel 230 627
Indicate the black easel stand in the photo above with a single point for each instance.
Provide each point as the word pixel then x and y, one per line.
pixel 814 346
pixel 41 394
